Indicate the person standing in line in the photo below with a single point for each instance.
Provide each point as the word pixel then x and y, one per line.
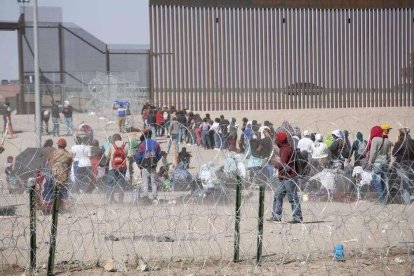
pixel 285 165
pixel 379 159
pixel 205 139
pixel 224 130
pixel 55 118
pixel 174 132
pixel 82 154
pixel 359 150
pixel 67 113
pixel 215 127
pixel 305 144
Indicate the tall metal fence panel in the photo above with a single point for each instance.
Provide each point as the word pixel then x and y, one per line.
pixel 220 58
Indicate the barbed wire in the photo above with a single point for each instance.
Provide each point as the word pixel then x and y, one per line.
pixel 191 229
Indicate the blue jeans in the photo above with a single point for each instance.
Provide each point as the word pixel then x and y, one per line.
pixel 47 194
pixel 205 139
pixel 148 178
pixel 182 134
pixel 69 125
pixel 217 140
pixel 378 180
pixel 290 188
pixel 116 183
pixel 174 137
pixel 55 122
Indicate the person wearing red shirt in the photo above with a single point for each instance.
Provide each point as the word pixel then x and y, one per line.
pixel 159 120
pixel 286 184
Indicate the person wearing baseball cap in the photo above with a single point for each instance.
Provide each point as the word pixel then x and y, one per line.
pixel 286 184
pixel 385 129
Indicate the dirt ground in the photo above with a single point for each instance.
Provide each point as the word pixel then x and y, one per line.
pixel 188 238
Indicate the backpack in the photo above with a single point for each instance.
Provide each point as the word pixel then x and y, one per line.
pixel 119 158
pixel 362 147
pixel 300 159
pixel 150 160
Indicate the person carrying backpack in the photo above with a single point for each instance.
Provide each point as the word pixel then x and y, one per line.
pixel 147 157
pixel 117 154
pixel 286 184
pixel 379 158
pixel 359 150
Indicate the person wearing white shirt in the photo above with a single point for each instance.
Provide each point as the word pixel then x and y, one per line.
pixel 216 128
pixel 82 154
pixel 305 143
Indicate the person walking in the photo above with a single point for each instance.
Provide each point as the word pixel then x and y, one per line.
pixel 359 150
pixel 286 184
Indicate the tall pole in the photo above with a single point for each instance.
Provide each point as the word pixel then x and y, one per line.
pixel 36 75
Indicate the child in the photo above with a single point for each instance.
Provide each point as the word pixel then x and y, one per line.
pixel 10 175
pixel 185 157
pixel 163 174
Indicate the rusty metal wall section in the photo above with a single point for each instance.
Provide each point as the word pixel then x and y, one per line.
pixel 241 58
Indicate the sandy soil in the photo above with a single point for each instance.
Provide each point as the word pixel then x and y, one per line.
pixel 377 239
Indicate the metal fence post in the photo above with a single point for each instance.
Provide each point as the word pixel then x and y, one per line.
pixel 260 225
pixel 32 199
pixel 52 248
pixel 237 223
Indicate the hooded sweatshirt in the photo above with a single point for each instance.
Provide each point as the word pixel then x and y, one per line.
pixel 379 147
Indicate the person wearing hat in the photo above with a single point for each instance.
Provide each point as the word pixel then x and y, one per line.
pixel 60 163
pixel 286 183
pixel 319 154
pixel 358 150
pixel 379 159
pixel 335 150
pixel 385 129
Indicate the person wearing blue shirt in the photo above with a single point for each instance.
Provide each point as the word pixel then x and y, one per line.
pixel 147 157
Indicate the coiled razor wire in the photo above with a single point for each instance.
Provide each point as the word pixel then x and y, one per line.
pixel 186 232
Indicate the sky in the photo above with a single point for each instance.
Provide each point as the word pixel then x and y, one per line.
pixel 112 21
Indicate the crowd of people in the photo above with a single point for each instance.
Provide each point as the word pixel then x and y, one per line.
pixel 287 150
